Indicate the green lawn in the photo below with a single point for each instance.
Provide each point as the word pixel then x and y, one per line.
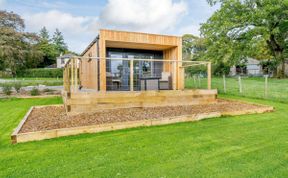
pixel 241 146
pixel 34 81
pixel 251 86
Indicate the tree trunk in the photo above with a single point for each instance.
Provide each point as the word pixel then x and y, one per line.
pixel 277 51
pixel 281 69
pixel 283 66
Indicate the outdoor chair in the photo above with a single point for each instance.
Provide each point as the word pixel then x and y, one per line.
pixel 165 81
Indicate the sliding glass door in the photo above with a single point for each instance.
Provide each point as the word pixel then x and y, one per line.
pixel 118 71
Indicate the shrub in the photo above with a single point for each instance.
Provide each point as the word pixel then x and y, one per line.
pixel 42 73
pixel 5 74
pixel 48 90
pixel 17 86
pixel 7 89
pixel 34 92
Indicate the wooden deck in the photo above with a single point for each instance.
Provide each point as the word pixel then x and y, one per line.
pixel 78 102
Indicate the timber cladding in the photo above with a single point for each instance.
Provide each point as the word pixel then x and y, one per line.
pixel 88 68
pixel 140 38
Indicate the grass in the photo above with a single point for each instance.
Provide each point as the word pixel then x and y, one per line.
pixel 253 87
pixel 241 146
pixel 35 81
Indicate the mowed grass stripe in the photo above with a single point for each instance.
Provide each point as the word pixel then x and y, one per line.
pixel 241 146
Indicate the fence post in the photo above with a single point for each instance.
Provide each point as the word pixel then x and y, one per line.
pixel 64 76
pixel 209 76
pixel 68 78
pixel 199 81
pixel 174 75
pixel 72 73
pixel 76 74
pixel 224 83
pixel 266 86
pixel 240 84
pixel 131 75
pixel 194 79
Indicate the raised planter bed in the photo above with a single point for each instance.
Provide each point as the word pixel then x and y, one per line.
pixel 45 122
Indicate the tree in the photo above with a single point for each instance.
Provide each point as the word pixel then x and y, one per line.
pixel 58 41
pixel 44 35
pixel 193 47
pixel 11 20
pixel 47 48
pixel 241 28
pixel 51 48
pixel 17 48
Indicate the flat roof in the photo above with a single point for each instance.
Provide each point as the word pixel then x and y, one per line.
pixel 97 38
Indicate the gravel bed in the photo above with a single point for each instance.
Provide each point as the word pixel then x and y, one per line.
pixel 54 117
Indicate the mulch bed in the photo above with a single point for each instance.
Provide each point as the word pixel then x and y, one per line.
pixel 54 117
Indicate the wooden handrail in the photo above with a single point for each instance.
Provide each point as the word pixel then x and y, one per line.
pixel 138 59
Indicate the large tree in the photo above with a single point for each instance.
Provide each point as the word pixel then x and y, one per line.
pixel 48 49
pixel 51 48
pixel 241 28
pixel 193 47
pixel 44 34
pixel 17 48
pixel 58 41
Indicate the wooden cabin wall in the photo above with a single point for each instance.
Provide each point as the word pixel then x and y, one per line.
pixel 88 69
pixel 168 54
pixel 175 53
pixel 140 38
pixel 102 63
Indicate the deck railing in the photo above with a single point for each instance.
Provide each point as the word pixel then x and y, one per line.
pixel 74 69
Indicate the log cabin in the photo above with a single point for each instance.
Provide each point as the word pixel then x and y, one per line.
pixel 120 69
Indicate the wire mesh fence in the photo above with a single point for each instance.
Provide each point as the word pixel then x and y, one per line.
pixel 196 77
pixel 253 87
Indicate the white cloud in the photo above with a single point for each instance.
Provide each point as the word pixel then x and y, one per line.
pixel 78 31
pixel 2 3
pixel 143 15
pixel 155 16
pixel 190 29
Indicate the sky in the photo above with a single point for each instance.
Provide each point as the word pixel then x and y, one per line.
pixel 80 20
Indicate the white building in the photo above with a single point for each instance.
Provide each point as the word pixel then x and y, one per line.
pixel 62 60
pixel 252 67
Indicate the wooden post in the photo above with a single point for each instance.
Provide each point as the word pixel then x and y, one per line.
pixel 224 83
pixel 68 79
pixel 199 81
pixel 131 75
pixel 72 73
pixel 194 79
pixel 76 74
pixel 240 84
pixel 64 79
pixel 182 78
pixel 174 75
pixel 266 86
pixel 209 75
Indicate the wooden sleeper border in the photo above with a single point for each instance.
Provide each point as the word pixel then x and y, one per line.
pixel 17 137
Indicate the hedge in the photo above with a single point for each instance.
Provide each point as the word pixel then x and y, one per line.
pixel 42 73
